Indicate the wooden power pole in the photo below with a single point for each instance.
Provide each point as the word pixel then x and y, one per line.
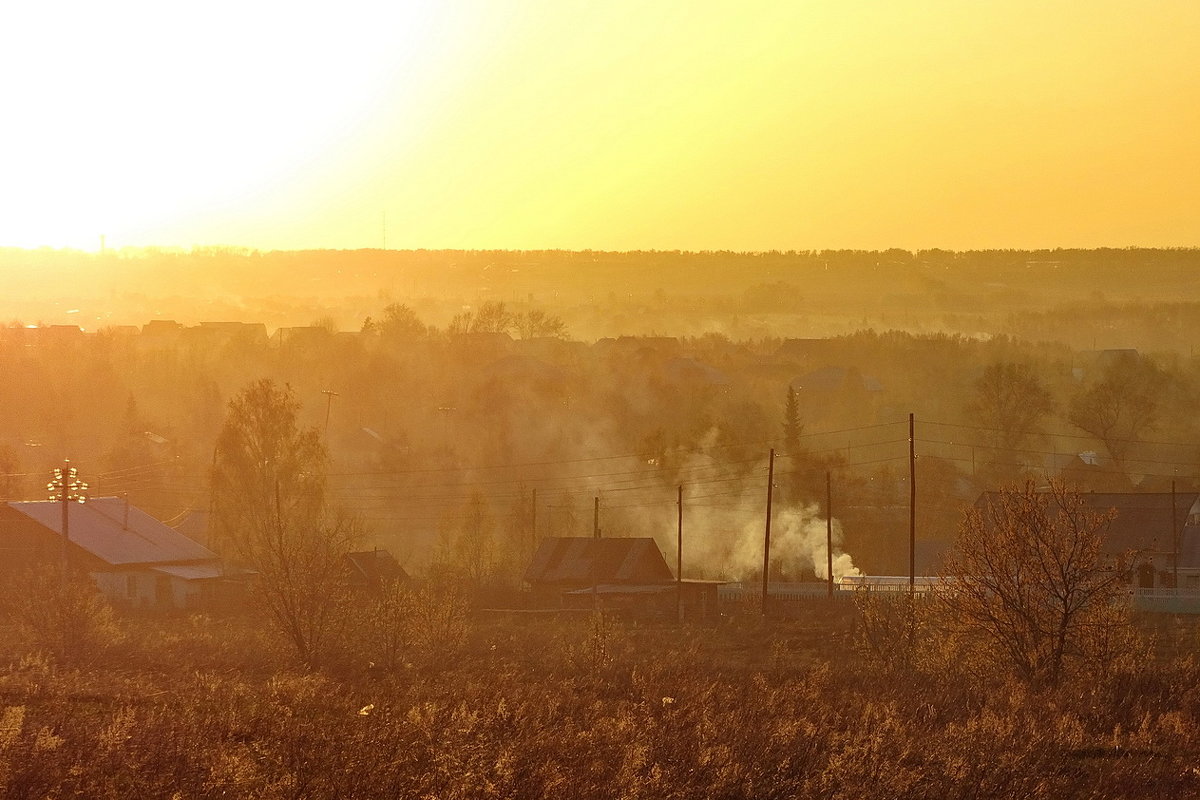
pixel 596 554
pixel 679 559
pixel 1175 538
pixel 829 534
pixel 912 507
pixel 766 576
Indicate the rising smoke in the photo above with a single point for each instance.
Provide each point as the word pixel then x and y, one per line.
pixel 723 536
pixel 728 543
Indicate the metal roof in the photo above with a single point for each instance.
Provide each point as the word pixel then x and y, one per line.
pixel 609 588
pixel 580 561
pixel 99 526
pixel 192 572
pixel 373 567
pixel 1144 520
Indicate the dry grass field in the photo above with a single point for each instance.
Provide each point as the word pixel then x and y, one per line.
pixel 588 707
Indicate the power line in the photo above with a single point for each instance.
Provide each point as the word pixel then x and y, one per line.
pixel 1083 436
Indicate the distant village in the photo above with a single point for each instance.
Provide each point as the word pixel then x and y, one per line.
pixel 571 455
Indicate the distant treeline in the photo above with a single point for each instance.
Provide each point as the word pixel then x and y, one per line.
pixel 742 295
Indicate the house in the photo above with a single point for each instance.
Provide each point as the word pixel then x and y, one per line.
pixel 564 563
pixel 303 337
pixel 371 570
pixel 1160 531
pixel 160 334
pixel 211 335
pixel 135 560
pixel 697 600
pixel 625 575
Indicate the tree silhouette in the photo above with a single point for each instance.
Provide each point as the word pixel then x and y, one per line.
pixel 1011 401
pixel 269 510
pixel 1122 405
pixel 1028 579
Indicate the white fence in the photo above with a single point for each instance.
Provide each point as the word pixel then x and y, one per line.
pixel 1166 601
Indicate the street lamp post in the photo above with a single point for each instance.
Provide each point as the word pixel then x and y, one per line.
pixel 66 487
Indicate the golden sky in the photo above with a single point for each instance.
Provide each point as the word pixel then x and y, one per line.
pixel 615 124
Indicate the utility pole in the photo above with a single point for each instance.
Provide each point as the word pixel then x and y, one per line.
pixel 596 554
pixel 533 516
pixel 66 488
pixel 829 533
pixel 912 508
pixel 767 535
pixel 1175 539
pixel 679 559
pixel 329 395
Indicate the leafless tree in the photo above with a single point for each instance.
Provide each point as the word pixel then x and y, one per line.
pixel 1011 401
pixel 491 317
pixel 1122 405
pixel 536 323
pixel 270 512
pixel 1029 581
pixel 468 549
pixel 399 324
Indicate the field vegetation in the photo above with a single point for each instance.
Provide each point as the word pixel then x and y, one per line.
pixel 466 705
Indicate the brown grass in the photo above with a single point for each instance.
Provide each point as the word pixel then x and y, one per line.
pixel 533 707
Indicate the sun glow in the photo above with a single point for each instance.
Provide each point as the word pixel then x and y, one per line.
pixel 758 124
pixel 133 119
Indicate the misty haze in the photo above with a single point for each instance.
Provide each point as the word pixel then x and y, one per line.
pixel 542 400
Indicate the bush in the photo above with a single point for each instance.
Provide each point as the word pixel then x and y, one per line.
pixel 404 625
pixel 69 621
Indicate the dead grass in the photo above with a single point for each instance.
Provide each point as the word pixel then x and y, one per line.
pixel 533 707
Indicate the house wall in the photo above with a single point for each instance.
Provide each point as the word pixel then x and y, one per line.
pixel 128 588
pixel 142 588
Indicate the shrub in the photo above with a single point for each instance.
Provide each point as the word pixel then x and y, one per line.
pixel 68 620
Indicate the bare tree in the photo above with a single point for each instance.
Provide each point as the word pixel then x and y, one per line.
pixel 491 317
pixel 467 549
pixel 1011 401
pixel 1122 405
pixel 270 511
pixel 1029 581
pixel 399 324
pixel 537 323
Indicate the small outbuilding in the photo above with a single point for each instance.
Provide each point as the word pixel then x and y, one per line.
pixel 372 570
pixel 627 575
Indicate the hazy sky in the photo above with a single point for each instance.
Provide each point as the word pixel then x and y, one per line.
pixel 616 124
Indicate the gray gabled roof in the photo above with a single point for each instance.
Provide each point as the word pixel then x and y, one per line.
pixel 580 561
pixel 374 567
pixel 1144 520
pixel 99 527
